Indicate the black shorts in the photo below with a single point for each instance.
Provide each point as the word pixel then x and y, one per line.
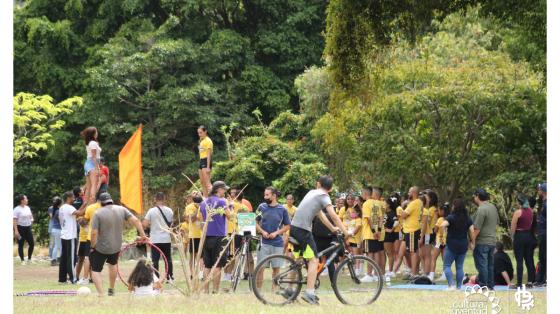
pixel 391 237
pixel 373 246
pixel 203 163
pixel 84 248
pixel 412 240
pixel 194 245
pixel 97 260
pixel 211 251
pixel 306 242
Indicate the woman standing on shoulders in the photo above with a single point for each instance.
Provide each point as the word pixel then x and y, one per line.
pixel 205 149
pixel 91 166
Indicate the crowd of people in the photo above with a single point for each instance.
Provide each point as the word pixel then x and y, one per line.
pixel 86 229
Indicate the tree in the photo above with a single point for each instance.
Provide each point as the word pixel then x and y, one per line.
pixel 35 118
pixel 450 113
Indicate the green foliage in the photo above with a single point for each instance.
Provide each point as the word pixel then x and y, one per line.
pixel 273 156
pixel 449 113
pixel 35 118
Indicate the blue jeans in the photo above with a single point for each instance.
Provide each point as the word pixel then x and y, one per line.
pixel 57 244
pixel 484 261
pixel 448 258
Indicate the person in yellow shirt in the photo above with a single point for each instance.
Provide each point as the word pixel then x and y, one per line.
pixel 194 221
pixel 411 230
pixel 441 237
pixel 428 236
pixel 290 207
pixel 372 231
pixel 85 244
pixel 206 149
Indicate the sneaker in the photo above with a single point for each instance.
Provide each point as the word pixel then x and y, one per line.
pixel 387 278
pixel 83 281
pixel 169 281
pixel 392 274
pixel 54 263
pixel 63 282
pixel 23 263
pixel 325 272
pixel 540 284
pixel 226 277
pixel 310 298
pixel 111 292
pixel 407 276
pixel 286 293
pixel 368 278
pixel 442 278
pixel 451 288
pixel 200 275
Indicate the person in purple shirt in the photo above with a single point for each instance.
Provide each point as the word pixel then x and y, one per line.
pixel 219 210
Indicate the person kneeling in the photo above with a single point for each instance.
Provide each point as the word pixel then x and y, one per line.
pixel 142 281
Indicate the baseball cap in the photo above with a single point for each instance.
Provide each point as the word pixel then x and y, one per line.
pixel 542 186
pixel 219 184
pixel 105 198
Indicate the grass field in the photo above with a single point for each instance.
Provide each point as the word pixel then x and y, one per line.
pixel 42 276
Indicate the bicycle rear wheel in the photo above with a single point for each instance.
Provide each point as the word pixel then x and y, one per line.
pixel 281 288
pixel 348 287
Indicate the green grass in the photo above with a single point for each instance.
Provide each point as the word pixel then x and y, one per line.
pixel 44 277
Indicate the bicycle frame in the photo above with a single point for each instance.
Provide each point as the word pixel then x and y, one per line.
pixel 333 250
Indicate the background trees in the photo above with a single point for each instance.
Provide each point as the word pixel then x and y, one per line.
pixel 447 94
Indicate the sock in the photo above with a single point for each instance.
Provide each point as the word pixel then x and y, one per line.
pixel 310 291
pixel 431 275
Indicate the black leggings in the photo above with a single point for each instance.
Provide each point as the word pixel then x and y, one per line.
pixel 25 234
pixel 542 259
pixel 523 249
pixel 67 266
pixel 166 249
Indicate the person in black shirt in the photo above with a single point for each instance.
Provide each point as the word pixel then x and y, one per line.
pixel 391 221
pixel 503 269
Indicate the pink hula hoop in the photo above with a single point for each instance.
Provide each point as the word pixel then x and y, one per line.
pixel 127 247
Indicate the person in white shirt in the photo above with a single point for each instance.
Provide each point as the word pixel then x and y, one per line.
pixel 91 166
pixel 23 219
pixel 159 219
pixel 143 281
pixel 67 215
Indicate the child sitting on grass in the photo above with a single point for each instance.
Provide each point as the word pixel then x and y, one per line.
pixel 142 281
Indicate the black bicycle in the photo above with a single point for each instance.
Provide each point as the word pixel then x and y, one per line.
pixel 287 280
pixel 241 260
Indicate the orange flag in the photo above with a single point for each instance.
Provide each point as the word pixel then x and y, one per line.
pixel 130 172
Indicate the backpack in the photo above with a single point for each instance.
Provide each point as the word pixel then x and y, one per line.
pixel 422 280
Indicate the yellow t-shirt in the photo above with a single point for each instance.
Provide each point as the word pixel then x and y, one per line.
pixel 432 212
pixel 194 228
pixel 238 207
pixel 85 232
pixel 185 229
pixel 291 211
pixel 372 209
pixel 351 224
pixel 441 232
pixel 204 146
pixel 341 213
pixel 401 220
pixel 412 221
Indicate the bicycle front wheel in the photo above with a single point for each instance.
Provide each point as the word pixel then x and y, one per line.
pixel 238 272
pixel 277 280
pixel 353 290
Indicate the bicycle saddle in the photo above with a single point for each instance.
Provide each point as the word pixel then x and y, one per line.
pixel 293 241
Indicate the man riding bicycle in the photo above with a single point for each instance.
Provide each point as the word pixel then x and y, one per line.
pixel 311 206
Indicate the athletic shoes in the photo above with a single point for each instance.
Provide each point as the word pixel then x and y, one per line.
pixel 442 278
pixel 23 263
pixel 110 292
pixel 286 293
pixel 451 288
pixel 310 298
pixel 368 278
pixel 83 281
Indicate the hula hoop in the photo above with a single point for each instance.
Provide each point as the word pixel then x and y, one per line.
pixel 127 247
pixel 47 292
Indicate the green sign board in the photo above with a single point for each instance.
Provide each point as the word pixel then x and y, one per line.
pixel 247 222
